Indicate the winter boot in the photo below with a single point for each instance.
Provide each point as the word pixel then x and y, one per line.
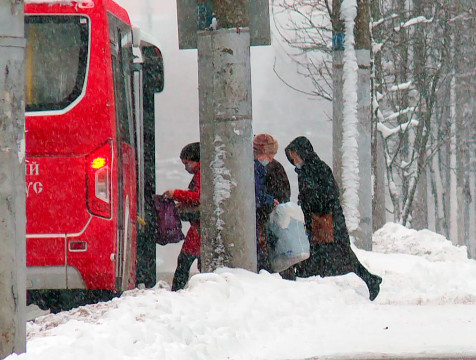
pixel 372 281
pixel 374 286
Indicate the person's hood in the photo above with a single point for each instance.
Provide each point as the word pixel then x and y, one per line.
pixel 302 146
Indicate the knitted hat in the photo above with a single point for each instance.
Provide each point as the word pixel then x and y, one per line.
pixel 265 144
pixel 191 152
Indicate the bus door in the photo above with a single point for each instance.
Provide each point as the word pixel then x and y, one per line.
pixel 57 59
pixel 121 52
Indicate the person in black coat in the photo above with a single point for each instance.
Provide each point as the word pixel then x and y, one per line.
pixel 319 198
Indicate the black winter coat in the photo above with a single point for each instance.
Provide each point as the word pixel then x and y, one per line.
pixel 277 182
pixel 319 194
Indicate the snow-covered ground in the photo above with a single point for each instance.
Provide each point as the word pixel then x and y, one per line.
pixel 427 306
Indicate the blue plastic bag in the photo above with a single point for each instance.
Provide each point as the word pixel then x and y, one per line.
pixel 286 222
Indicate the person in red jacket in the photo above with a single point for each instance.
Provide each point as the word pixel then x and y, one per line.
pixel 190 198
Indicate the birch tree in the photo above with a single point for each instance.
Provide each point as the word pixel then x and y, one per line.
pixel 423 99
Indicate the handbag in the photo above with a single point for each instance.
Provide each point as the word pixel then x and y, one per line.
pixel 322 229
pixel 169 226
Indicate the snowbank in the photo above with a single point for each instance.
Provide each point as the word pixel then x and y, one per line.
pixel 427 306
pixel 395 238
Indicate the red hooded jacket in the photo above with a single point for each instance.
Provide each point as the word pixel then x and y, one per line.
pixel 191 197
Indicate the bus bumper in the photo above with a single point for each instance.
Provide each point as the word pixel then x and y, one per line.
pixel 53 277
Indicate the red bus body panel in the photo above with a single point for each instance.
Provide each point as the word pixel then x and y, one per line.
pixel 57 147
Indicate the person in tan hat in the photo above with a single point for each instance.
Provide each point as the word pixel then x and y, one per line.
pixel 265 148
pixel 277 185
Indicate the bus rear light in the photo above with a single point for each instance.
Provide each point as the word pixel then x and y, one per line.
pixel 98 162
pixel 101 184
pixel 99 181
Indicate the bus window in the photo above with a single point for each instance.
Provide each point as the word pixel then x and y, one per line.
pixel 126 63
pixel 56 60
pixel 121 46
pixel 153 68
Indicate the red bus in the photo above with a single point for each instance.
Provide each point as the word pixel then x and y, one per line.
pixel 90 172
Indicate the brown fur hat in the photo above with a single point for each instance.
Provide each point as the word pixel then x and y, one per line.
pixel 265 144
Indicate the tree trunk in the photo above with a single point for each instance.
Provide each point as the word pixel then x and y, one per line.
pixel 338 97
pixel 362 50
pixel 377 149
pixel 420 207
pixel 402 66
pixel 460 143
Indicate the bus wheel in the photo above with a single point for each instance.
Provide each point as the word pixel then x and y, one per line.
pixel 67 299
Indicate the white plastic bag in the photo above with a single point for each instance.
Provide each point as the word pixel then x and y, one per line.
pixel 286 222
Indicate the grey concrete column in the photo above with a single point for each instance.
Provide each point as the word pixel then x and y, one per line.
pixel 12 180
pixel 228 225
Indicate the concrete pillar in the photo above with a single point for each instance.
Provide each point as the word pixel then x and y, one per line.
pixel 228 225
pixel 12 180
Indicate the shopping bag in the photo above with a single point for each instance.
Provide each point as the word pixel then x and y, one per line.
pixel 169 226
pixel 322 231
pixel 286 223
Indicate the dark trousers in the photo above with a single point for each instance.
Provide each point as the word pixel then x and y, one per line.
pixel 333 260
pixel 184 263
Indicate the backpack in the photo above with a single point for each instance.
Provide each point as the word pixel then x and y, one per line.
pixel 169 226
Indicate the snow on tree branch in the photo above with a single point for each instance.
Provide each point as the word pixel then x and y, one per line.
pixel 395 115
pixel 350 157
pixel 376 47
pixel 382 20
pixel 403 86
pixel 417 20
pixel 387 132
pixel 413 21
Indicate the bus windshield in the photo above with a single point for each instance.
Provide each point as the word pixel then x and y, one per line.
pixel 56 60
